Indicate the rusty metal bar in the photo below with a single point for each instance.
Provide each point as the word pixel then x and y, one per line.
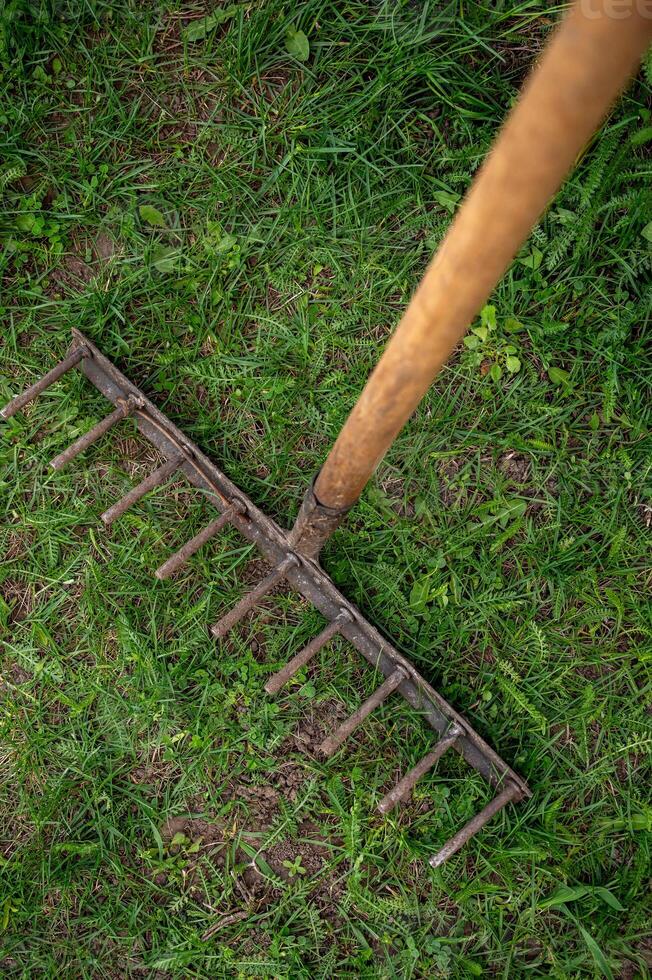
pixel 509 794
pixel 30 393
pixel 228 621
pixel 408 782
pixel 155 479
pixel 331 744
pixel 125 408
pixel 181 556
pixel 588 61
pixel 281 677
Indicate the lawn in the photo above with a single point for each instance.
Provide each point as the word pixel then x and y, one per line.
pixel 236 211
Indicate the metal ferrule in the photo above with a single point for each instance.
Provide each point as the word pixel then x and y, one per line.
pixel 314 524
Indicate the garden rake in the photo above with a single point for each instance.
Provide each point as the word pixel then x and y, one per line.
pixel 584 67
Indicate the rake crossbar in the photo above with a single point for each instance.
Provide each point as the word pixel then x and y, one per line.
pixel 302 573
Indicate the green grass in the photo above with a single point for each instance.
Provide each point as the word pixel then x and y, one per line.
pixel 503 544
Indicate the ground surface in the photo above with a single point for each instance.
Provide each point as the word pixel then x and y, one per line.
pixel 239 230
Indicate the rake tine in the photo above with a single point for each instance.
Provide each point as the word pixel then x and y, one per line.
pixel 331 744
pixel 125 408
pixel 181 556
pixel 266 585
pixel 511 792
pixel 403 787
pixel 281 677
pixel 154 479
pixel 21 400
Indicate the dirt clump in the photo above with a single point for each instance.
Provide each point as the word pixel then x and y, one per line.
pixel 313 729
pixel 516 467
pixel 19 597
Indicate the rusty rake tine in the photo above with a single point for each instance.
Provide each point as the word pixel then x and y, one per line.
pixel 228 621
pixel 408 782
pixel 155 479
pixel 281 677
pixel 124 409
pixel 458 840
pixel 331 744
pixel 181 556
pixel 30 393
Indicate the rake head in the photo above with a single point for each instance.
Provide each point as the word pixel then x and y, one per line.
pixel 293 556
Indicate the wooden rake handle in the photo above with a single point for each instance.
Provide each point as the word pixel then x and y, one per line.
pixel 584 67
